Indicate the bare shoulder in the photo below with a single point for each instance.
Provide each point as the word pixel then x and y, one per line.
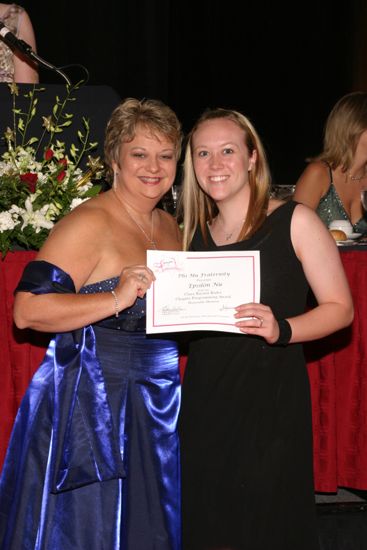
pixel 167 219
pixel 75 241
pixel 89 217
pixel 312 184
pixel 306 226
pixel 4 8
pixel 315 173
pixel 168 227
pixel 308 232
pixel 25 29
pixel 304 215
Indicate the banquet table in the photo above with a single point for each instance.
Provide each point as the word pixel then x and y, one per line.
pixel 21 351
pixel 337 369
pixel 336 366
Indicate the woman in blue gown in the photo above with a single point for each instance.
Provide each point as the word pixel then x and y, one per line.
pixel 93 461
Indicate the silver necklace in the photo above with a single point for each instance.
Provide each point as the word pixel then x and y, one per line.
pixel 357 178
pixel 150 239
pixel 228 236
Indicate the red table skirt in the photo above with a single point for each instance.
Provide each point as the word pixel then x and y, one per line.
pixel 337 368
pixel 336 365
pixel 21 350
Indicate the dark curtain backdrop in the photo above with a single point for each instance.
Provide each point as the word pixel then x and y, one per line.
pixel 283 67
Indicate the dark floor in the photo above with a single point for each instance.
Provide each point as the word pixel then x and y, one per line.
pixel 343 520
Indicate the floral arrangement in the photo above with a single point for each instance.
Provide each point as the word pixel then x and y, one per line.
pixel 40 181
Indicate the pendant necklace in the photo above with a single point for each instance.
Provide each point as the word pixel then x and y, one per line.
pixel 357 178
pixel 228 236
pixel 150 239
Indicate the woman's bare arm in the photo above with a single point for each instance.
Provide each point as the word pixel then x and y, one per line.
pixel 312 185
pixel 24 70
pixel 320 258
pixel 76 246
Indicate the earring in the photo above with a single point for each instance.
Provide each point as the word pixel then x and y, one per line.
pixel 115 174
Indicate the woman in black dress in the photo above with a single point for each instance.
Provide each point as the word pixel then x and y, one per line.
pixel 245 421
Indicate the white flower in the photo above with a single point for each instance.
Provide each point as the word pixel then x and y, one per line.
pixel 26 161
pixel 4 168
pixel 76 202
pixel 6 221
pixel 35 218
pixel 42 179
pixel 52 211
pixel 84 188
pixel 38 200
pixel 16 211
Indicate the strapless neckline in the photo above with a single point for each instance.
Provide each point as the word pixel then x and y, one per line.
pixel 131 319
pixel 100 286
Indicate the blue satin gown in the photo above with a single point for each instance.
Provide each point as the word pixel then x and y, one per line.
pixel 93 461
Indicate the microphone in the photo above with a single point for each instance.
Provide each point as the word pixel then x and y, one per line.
pixel 13 42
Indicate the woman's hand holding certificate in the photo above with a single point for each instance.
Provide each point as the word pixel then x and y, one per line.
pixel 200 290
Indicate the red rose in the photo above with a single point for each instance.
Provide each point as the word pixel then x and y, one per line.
pixel 63 161
pixel 30 179
pixel 49 154
pixel 61 176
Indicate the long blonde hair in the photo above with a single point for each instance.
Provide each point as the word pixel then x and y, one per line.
pixel 197 208
pixel 345 124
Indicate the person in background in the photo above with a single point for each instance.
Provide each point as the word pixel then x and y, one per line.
pixel 14 67
pixel 332 182
pixel 245 421
pixel 93 460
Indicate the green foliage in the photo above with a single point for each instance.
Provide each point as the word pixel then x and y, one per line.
pixel 40 181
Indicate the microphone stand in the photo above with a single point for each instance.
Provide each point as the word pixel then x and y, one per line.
pixel 18 44
pixel 26 49
pixel 48 65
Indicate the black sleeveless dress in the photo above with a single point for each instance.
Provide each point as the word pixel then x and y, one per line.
pixel 245 421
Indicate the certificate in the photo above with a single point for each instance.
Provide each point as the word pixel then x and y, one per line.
pixel 200 290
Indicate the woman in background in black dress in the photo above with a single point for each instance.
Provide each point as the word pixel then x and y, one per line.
pixel 245 420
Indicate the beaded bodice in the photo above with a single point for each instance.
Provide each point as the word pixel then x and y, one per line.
pixel 131 319
pixel 331 208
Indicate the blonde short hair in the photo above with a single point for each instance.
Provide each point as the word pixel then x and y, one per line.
pixel 157 117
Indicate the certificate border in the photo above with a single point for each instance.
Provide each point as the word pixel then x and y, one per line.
pixel 245 256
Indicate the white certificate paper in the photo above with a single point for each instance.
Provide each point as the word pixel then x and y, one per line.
pixel 200 290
